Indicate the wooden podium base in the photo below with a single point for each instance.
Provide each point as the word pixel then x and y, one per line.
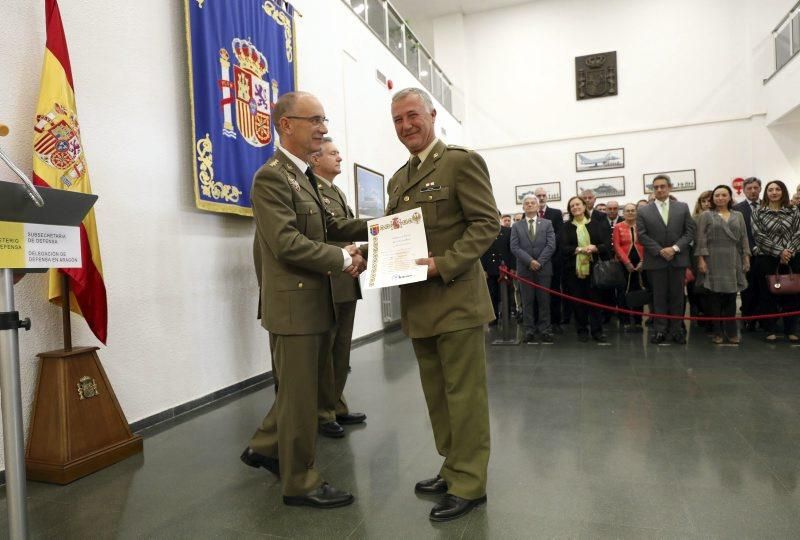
pixel 77 425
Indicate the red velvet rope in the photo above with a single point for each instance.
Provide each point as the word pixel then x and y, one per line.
pixel 505 273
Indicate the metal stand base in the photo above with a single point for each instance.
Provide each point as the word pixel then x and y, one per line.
pixel 508 335
pixel 11 401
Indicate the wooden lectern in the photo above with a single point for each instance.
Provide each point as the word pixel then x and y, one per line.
pixel 77 426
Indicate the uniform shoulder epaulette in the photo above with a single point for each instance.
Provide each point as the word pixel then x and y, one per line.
pixel 273 162
pixel 456 147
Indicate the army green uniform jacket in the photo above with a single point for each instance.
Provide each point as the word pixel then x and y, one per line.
pixel 293 263
pixel 345 288
pixel 452 187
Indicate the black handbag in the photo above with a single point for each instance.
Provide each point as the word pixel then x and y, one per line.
pixel 640 298
pixel 608 275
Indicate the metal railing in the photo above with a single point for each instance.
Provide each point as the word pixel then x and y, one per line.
pixel 786 38
pixel 390 28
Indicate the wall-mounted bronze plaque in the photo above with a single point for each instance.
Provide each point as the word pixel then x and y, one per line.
pixel 87 388
pixel 596 75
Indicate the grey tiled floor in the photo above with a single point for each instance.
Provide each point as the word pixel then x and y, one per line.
pixel 588 441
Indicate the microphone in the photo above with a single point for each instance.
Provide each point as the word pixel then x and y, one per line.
pixel 30 189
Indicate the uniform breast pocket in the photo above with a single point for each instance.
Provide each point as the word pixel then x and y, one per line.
pixel 432 204
pixel 309 220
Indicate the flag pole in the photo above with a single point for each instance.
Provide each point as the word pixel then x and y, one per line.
pixel 66 322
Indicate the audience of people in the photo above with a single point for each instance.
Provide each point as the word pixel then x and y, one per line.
pixel 718 251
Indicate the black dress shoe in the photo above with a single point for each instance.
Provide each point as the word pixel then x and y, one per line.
pixel 350 418
pixel 332 430
pixel 547 338
pixel 657 338
pixel 600 337
pixel 325 496
pixel 530 337
pixel 254 459
pixel 432 486
pixel 452 507
pixel 680 339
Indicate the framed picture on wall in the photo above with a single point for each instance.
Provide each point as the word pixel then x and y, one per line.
pixel 553 190
pixel 370 193
pixel 685 180
pixel 613 186
pixel 598 160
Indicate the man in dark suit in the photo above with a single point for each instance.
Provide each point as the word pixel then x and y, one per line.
pixel 556 217
pixel 752 190
pixel 498 254
pixel 294 266
pixel 333 408
pixel 612 213
pixel 533 243
pixel 666 229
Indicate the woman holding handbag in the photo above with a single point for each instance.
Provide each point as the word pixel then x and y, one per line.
pixel 583 242
pixel 723 257
pixel 630 253
pixel 776 232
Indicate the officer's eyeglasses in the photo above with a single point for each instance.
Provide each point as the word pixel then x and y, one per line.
pixel 316 121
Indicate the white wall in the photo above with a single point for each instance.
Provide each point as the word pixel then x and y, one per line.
pixel 181 287
pixel 690 90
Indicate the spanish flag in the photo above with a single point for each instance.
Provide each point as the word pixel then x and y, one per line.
pixel 59 162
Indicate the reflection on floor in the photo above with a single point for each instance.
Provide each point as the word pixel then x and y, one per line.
pixel 628 440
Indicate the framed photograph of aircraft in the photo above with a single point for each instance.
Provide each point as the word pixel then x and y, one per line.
pixel 603 188
pixel 553 190
pixel 685 180
pixel 370 193
pixel 598 160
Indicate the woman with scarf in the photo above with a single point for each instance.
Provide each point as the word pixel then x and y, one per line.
pixel 723 257
pixel 583 242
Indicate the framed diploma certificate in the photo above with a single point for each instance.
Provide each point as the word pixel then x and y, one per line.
pixel 395 242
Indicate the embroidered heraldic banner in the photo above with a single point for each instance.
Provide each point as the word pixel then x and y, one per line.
pixel 241 58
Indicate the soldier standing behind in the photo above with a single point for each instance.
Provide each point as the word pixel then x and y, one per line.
pixel 333 409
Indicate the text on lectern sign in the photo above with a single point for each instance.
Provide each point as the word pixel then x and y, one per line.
pixel 31 245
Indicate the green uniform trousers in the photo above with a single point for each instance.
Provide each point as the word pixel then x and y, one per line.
pixel 334 376
pixel 289 431
pixel 452 368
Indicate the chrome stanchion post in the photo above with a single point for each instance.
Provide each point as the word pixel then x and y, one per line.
pixel 505 318
pixel 13 433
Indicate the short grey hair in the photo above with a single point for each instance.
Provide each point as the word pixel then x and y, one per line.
pixel 585 192
pixel 752 180
pixel 413 91
pixel 285 106
pixel 530 196
pixel 663 177
pixel 538 189
pixel 318 154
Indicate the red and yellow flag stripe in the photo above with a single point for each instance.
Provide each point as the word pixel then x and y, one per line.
pixel 59 162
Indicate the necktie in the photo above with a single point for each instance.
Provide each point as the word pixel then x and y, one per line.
pixel 415 162
pixel 541 213
pixel 531 229
pixel 664 211
pixel 310 176
pixel 754 204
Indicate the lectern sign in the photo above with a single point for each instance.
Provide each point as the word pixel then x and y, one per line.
pixel 31 245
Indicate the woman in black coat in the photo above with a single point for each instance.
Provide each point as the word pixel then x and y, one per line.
pixel 583 243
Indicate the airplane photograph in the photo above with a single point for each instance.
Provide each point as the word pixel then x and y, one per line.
pixel 600 159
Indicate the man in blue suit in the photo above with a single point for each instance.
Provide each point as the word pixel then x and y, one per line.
pixel 533 243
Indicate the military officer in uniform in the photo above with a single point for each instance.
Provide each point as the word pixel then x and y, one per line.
pixel 294 266
pixel 333 408
pixel 444 315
